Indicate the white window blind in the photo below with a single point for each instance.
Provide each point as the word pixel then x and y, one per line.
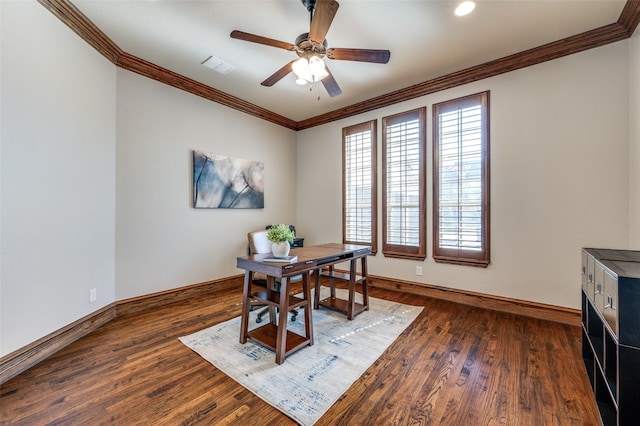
pixel 359 186
pixel 461 174
pixel 404 181
pixel 460 178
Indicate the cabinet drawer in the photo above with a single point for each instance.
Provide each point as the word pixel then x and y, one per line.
pixel 611 332
pixel 610 297
pixel 598 290
pixel 588 266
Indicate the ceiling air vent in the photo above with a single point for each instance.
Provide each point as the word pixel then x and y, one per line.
pixel 218 65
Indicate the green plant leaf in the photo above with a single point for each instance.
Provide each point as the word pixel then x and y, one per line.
pixel 280 232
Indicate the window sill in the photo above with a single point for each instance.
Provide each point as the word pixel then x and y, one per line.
pixel 476 263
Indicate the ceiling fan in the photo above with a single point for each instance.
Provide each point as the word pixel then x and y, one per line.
pixel 311 47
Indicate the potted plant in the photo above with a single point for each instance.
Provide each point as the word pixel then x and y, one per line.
pixel 281 237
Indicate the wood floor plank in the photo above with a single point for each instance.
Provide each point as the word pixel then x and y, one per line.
pixel 455 365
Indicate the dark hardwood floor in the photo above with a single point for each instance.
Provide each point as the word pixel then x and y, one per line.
pixel 455 365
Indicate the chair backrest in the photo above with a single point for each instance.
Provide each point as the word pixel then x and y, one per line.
pixel 258 242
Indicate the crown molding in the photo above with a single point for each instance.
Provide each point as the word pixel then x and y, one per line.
pixel 163 75
pixel 82 26
pixel 89 32
pixel 567 46
pixel 622 29
pixel 630 16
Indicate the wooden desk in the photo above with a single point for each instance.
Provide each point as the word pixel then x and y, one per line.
pixel 275 335
pixel 349 307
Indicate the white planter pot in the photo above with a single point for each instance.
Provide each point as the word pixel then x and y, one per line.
pixel 281 248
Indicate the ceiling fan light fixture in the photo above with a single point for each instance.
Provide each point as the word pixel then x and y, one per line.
pixel 465 8
pixel 301 69
pixel 317 68
pixel 309 70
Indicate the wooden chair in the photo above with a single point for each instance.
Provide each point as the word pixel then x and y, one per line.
pixel 259 243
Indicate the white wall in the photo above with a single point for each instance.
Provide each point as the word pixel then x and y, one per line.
pixel 96 178
pixel 634 141
pixel 162 242
pixel 64 230
pixel 58 176
pixel 559 177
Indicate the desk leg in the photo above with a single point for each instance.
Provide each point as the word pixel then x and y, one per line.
pixel 365 290
pixel 281 337
pixel 270 290
pixel 308 315
pixel 352 289
pixel 246 306
pixel 332 283
pixel 316 293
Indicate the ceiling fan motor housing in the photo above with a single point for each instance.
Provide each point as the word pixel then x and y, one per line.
pixel 306 47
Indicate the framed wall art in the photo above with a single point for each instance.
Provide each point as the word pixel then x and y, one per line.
pixel 221 182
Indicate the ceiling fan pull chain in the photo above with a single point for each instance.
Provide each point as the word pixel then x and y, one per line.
pixel 311 90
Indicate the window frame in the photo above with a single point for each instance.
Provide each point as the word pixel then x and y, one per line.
pixel 396 250
pixel 368 126
pixel 460 256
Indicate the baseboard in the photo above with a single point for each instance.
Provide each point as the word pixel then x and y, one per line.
pixel 155 300
pixel 504 304
pixel 24 358
pixel 18 361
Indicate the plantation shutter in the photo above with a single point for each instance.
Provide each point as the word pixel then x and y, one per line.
pixel 404 146
pixel 359 184
pixel 461 176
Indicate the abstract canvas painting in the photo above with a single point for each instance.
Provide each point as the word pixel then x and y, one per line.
pixel 221 182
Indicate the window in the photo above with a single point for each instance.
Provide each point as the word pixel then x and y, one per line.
pixel 461 181
pixel 403 180
pixel 359 186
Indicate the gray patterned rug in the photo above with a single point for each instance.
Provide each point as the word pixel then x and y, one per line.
pixel 312 379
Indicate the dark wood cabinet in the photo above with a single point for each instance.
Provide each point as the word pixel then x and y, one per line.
pixel 611 332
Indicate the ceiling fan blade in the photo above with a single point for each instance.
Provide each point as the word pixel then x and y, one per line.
pixel 323 15
pixel 363 55
pixel 241 35
pixel 331 85
pixel 278 75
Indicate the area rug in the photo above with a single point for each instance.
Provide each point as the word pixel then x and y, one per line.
pixel 312 379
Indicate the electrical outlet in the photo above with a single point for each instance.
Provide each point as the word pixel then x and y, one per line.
pixel 93 295
pixel 418 270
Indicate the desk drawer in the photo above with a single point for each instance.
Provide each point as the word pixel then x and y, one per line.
pixel 298 267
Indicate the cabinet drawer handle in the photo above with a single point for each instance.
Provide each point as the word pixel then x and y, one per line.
pixel 609 304
pixel 598 288
pixel 590 278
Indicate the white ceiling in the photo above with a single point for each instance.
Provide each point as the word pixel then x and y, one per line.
pixel 426 40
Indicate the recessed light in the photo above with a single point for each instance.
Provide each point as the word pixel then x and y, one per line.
pixel 465 8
